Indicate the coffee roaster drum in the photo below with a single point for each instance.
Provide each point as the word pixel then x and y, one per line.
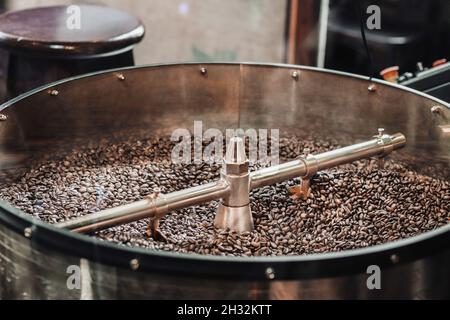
pixel 36 259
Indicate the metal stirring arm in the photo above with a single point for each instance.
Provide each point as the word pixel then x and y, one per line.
pixel 150 207
pixel 234 186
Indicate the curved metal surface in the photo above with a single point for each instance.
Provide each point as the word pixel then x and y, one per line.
pixel 160 98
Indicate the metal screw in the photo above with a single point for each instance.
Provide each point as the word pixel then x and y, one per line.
pixel 27 232
pixel 295 75
pixel 395 258
pixel 3 117
pixel 203 71
pixel 120 76
pixel 372 87
pixel 270 273
pixel 134 264
pixel 380 132
pixel 53 92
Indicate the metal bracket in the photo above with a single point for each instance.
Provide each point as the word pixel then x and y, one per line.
pixel 303 190
pixel 153 230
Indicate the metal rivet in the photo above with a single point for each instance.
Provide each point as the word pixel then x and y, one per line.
pixel 203 71
pixel 270 273
pixel 120 76
pixel 437 109
pixel 372 87
pixel 3 117
pixel 380 132
pixel 27 232
pixel 295 75
pixel 395 258
pixel 134 264
pixel 53 92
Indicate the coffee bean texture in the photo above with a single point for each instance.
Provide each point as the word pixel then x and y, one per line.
pixel 352 206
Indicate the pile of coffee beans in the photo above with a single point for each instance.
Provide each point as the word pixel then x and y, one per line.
pixel 352 206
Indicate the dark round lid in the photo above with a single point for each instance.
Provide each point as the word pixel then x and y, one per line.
pixel 55 30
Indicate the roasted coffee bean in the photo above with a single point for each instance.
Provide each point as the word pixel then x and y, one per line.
pixel 352 206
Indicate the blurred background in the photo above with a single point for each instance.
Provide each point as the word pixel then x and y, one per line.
pixel 195 30
pixel 323 33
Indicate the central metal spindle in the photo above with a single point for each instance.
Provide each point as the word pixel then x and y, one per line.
pixel 234 212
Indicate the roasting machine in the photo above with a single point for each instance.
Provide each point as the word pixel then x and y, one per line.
pixel 49 122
